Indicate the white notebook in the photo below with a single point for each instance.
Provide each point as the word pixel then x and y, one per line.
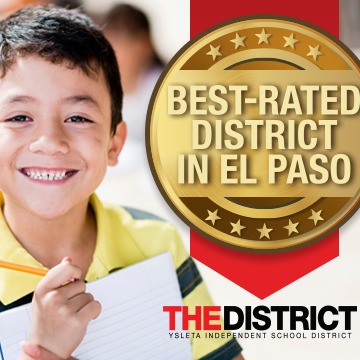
pixel 132 324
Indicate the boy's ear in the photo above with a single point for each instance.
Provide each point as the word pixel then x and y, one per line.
pixel 116 143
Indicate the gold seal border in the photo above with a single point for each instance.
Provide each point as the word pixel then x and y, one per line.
pixel 345 213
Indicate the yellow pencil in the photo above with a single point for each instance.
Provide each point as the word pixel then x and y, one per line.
pixel 23 268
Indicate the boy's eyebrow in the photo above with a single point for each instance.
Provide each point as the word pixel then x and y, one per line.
pixel 19 98
pixel 82 99
pixel 70 99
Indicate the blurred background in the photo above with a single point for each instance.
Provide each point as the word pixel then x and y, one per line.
pixel 145 36
pixel 350 24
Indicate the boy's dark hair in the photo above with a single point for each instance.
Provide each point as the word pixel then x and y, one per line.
pixel 58 34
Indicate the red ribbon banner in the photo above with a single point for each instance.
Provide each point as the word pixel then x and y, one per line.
pixel 263 274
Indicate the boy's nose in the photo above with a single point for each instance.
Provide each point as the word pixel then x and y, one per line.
pixel 51 140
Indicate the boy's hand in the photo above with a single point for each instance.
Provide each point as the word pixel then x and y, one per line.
pixel 61 314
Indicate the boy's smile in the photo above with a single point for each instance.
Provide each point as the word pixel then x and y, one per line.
pixel 55 140
pixel 50 176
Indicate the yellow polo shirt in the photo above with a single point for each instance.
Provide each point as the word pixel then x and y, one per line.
pixel 124 237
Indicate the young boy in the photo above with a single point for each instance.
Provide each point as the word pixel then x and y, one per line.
pixel 60 126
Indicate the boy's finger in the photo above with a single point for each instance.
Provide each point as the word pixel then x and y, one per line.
pixel 80 301
pixel 90 311
pixel 59 275
pixel 31 349
pixel 37 352
pixel 72 289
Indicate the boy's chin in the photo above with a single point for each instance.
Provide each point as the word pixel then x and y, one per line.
pixel 53 210
pixel 49 213
pixel 48 206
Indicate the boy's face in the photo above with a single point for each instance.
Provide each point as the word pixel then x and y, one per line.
pixel 55 140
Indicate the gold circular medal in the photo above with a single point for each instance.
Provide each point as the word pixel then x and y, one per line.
pixel 252 134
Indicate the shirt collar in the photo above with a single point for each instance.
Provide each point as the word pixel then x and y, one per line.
pixel 115 245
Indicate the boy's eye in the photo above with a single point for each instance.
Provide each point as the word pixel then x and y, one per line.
pixel 19 118
pixel 77 119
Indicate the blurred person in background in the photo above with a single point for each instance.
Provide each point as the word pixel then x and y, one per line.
pixel 128 30
pixel 68 4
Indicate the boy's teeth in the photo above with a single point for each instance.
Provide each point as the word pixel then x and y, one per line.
pixel 46 175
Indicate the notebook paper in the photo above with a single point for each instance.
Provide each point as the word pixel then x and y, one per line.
pixel 131 325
